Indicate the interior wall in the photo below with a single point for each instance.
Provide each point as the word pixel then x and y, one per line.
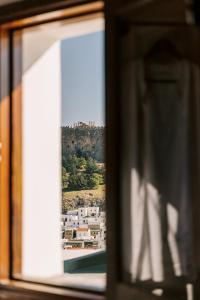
pixel 41 255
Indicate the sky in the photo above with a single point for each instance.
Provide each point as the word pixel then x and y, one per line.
pixel 82 62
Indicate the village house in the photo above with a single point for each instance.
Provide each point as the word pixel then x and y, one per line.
pixel 84 224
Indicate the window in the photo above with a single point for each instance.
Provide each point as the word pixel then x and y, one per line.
pixel 58 57
pixel 152 152
pixel 50 58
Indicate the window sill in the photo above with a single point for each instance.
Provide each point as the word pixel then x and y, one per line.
pixel 20 290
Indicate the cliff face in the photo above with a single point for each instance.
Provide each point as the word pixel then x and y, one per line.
pixel 84 141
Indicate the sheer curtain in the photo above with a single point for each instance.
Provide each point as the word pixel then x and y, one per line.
pixel 163 100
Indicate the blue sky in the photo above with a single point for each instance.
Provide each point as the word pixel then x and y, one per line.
pixel 83 79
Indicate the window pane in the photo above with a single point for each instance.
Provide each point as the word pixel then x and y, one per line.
pixel 160 75
pixel 63 213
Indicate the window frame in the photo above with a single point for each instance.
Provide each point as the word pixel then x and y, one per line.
pixel 18 16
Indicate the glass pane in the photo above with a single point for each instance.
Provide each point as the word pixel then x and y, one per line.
pixel 64 221
pixel 160 90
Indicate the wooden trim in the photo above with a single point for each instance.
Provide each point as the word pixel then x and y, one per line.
pixel 16 185
pixel 81 9
pixel 11 289
pixel 5 157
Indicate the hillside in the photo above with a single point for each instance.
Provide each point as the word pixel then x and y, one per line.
pixel 83 142
pixel 83 168
pixel 75 199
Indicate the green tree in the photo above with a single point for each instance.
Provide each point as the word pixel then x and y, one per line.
pixel 93 181
pixel 65 178
pixel 72 164
pixel 77 182
pixel 91 166
pixel 82 163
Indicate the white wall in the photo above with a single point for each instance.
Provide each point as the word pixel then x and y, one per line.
pixel 42 163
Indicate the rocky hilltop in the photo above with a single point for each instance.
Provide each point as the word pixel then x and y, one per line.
pixel 83 140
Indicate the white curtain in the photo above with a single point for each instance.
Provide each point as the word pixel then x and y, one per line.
pixel 159 242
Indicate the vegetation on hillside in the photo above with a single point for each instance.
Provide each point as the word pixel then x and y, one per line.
pixel 74 199
pixel 83 169
pixel 79 173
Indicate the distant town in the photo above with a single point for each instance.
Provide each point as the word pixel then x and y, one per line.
pixel 83 218
pixel 84 227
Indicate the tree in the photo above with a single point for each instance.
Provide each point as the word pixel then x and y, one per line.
pixel 65 178
pixel 77 182
pixel 93 181
pixel 72 164
pixel 91 166
pixel 82 163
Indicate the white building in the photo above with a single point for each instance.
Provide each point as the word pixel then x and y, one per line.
pixel 72 221
pixel 82 212
pixel 88 223
pixel 83 233
pixel 96 234
pixel 93 211
pixel 93 220
pixel 73 212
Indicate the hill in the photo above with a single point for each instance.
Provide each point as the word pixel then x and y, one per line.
pixel 83 141
pixel 74 199
pixel 83 168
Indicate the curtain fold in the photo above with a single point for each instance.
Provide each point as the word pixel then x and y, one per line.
pixel 161 98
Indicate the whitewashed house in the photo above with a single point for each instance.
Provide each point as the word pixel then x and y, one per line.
pixel 82 212
pixel 83 233
pixel 93 211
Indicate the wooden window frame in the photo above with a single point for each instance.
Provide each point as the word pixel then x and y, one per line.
pixel 15 16
pixel 18 16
